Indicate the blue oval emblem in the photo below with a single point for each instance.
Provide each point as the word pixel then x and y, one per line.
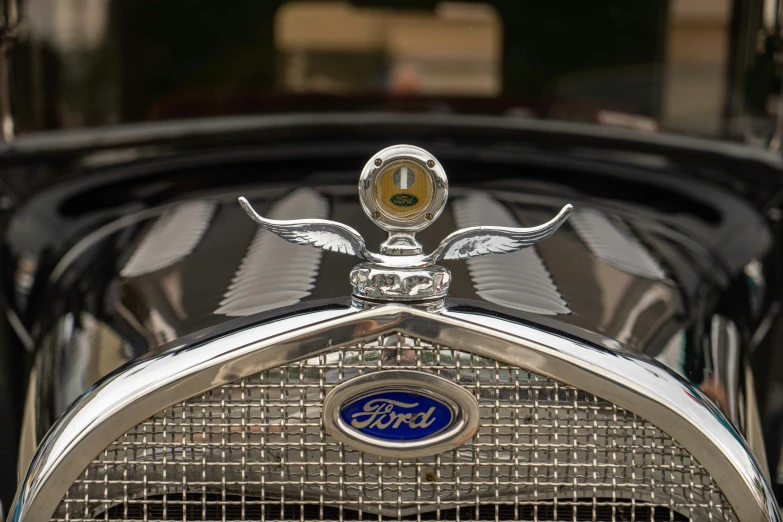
pixel 397 415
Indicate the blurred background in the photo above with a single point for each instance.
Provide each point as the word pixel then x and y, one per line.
pixel 706 67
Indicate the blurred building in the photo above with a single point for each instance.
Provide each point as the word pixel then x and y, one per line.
pixel 669 65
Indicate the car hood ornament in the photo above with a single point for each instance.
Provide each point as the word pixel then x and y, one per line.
pixel 403 189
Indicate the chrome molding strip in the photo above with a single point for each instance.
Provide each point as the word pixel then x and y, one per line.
pixel 164 378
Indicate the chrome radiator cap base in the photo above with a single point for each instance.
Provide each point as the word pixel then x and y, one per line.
pixel 400 284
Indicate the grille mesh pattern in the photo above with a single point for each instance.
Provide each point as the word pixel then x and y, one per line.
pixel 256 450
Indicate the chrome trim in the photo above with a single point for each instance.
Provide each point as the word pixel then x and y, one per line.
pixel 725 353
pixel 463 404
pixel 399 284
pixel 163 378
pixel 27 438
pixel 317 233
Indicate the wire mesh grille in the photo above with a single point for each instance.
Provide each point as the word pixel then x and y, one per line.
pixel 256 449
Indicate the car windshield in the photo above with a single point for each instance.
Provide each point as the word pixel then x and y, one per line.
pixel 687 66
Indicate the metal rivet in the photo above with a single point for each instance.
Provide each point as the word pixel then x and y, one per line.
pixel 376 215
pixel 429 216
pixel 430 163
pixel 378 162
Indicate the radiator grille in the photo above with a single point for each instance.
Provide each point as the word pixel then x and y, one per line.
pixel 256 450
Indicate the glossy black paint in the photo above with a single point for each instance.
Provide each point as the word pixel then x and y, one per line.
pixel 704 213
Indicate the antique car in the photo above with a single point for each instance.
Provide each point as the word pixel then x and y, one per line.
pixel 389 290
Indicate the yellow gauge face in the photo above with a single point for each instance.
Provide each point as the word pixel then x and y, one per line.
pixel 403 191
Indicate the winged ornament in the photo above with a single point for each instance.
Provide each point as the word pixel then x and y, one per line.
pixel 403 189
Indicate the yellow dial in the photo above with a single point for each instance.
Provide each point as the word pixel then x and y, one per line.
pixel 403 191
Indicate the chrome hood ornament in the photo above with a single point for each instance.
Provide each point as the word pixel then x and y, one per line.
pixel 403 189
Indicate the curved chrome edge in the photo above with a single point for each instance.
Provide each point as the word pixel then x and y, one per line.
pixel 646 387
pixel 148 385
pixel 462 403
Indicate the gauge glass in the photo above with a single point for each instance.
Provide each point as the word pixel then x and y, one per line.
pixel 403 191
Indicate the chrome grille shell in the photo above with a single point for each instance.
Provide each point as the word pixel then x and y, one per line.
pixel 543 448
pixel 199 365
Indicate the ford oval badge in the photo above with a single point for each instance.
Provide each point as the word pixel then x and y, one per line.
pixel 401 413
pixel 398 415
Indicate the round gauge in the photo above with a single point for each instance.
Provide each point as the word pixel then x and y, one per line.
pixel 403 191
pixel 403 188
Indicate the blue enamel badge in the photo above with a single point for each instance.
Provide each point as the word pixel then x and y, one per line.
pixel 398 415
pixel 401 413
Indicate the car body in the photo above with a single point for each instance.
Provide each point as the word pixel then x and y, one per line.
pixel 164 357
pixel 172 293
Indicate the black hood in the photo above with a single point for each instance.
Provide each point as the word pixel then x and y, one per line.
pixel 159 248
